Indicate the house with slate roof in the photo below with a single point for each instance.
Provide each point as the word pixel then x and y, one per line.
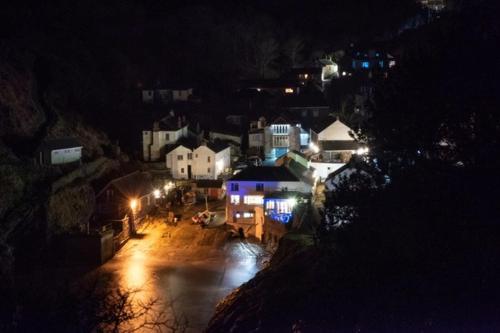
pixel 245 194
pixel 114 200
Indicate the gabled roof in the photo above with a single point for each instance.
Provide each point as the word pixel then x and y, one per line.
pixel 265 173
pixel 133 185
pixel 61 143
pixel 339 145
pixel 189 143
pixel 217 146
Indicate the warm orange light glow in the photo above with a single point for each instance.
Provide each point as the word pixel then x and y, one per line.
pixel 306 76
pixel 133 204
pixel 289 90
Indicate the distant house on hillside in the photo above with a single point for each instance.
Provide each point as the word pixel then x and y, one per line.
pixel 59 151
pixel 166 93
pixel 272 86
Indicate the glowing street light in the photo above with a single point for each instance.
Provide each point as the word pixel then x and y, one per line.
pixel 133 204
pixel 157 194
pixel 314 147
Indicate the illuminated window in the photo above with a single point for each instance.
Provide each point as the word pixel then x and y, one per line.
pixel 235 199
pixel 365 64
pixel 289 90
pixel 247 215
pixel 270 204
pixel 238 215
pixel 253 199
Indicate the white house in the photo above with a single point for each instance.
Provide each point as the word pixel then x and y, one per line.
pixel 211 160
pixel 246 191
pixel 165 132
pixel 205 162
pixel 166 95
pixel 179 159
pixel 60 151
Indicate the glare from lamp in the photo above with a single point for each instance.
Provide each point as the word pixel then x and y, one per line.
pixel 156 194
pixel 133 204
pixel 292 202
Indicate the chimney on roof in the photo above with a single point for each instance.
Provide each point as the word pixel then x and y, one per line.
pixel 179 122
pixel 156 126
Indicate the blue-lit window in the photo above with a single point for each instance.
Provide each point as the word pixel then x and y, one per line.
pixel 381 63
pixel 365 64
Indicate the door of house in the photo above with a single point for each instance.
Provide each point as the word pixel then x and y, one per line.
pixel 189 172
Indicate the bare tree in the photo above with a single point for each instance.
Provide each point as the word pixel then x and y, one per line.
pixel 292 50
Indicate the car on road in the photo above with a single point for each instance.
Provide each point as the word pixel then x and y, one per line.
pixel 203 218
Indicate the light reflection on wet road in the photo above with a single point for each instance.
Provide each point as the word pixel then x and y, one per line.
pixel 190 267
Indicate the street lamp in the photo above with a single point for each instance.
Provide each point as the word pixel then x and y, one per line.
pixel 157 194
pixel 133 205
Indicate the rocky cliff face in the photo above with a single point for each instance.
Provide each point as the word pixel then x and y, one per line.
pixel 275 298
pixel 38 202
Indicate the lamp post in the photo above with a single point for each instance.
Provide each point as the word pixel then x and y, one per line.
pixel 133 208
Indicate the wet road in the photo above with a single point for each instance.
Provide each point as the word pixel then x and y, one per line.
pixel 189 268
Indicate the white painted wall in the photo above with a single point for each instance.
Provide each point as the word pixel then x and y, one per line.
pixel 323 169
pixel 66 155
pixel 178 168
pixel 154 141
pixel 336 131
pixel 222 161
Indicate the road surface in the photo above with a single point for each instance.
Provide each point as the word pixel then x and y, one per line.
pixel 186 266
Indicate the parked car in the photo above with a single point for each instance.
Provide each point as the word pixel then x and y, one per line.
pixel 203 218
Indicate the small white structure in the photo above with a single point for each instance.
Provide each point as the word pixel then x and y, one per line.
pixel 205 162
pixel 59 151
pixel 165 132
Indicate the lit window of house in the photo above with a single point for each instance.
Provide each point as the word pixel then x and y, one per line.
pixel 270 204
pixel 259 187
pixel 365 64
pixel 289 90
pixel 247 215
pixel 235 199
pixel 253 199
